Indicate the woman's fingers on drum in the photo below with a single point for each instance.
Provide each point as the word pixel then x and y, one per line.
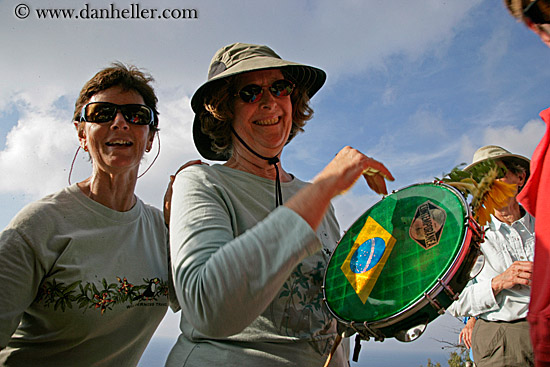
pixel 377 168
pixel 349 164
pixel 369 165
pixel 375 173
pixel 377 183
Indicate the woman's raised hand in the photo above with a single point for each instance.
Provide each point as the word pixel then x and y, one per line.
pixel 312 202
pixel 348 165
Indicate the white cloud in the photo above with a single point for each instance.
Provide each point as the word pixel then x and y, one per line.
pixel 495 49
pixel 345 37
pixel 517 140
pixel 38 151
pixel 388 96
pixel 360 34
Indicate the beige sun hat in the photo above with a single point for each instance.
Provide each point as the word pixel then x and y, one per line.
pixel 495 152
pixel 239 58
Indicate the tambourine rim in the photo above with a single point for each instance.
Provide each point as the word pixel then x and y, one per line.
pixel 421 301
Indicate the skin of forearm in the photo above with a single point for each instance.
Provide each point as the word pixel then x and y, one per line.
pixel 312 202
pixel 496 285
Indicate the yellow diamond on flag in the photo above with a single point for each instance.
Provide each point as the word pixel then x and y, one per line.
pixel 367 257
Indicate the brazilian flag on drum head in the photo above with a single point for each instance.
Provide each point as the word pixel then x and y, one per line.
pixel 367 257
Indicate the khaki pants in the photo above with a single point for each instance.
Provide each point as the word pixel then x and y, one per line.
pixel 501 343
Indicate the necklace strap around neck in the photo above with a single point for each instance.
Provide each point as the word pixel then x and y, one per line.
pixel 273 160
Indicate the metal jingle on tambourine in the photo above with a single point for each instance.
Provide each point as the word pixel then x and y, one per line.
pixel 411 334
pixel 478 266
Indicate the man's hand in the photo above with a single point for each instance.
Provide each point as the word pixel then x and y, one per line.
pixel 466 333
pixel 520 272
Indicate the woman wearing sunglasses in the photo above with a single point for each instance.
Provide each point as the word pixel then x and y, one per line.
pixel 249 240
pixel 84 271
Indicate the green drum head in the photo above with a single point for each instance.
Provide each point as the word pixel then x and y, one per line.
pixel 394 253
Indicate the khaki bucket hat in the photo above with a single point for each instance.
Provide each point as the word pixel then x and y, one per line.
pixel 239 58
pixel 495 152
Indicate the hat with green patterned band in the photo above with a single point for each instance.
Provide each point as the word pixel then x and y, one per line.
pixel 239 58
pixel 495 152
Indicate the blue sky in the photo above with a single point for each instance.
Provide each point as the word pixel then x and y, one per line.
pixel 417 84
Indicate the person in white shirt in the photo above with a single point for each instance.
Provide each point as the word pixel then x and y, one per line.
pixel 499 295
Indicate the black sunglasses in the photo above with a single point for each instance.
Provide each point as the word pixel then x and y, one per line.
pixel 537 15
pixel 253 93
pixel 101 112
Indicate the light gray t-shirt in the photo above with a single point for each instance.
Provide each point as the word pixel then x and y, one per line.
pixel 83 285
pixel 248 276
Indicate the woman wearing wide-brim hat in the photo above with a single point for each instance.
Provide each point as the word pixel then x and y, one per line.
pixel 250 241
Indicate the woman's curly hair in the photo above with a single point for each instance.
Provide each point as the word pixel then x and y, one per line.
pixel 218 114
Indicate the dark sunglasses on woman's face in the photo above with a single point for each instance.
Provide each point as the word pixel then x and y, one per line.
pixel 538 11
pixel 253 93
pixel 101 112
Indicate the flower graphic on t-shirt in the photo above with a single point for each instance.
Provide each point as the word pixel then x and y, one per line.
pixel 125 287
pixel 103 297
pixel 102 301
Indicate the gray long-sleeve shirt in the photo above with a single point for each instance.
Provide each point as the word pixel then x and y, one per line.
pixel 248 276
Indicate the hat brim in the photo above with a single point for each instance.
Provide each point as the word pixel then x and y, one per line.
pixel 305 77
pixel 521 160
pixel 513 157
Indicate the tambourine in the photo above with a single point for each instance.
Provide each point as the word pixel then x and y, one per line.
pixel 403 262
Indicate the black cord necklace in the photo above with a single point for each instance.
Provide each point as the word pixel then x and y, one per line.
pixel 273 161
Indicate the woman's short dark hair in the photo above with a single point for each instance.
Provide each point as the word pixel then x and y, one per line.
pixel 218 115
pixel 128 77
